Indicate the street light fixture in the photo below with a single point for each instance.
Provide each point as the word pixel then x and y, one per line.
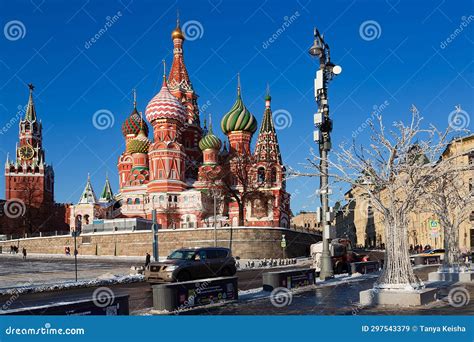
pixel 323 123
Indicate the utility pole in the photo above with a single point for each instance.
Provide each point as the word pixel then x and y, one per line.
pixel 322 136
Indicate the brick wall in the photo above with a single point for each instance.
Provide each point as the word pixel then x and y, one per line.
pixel 245 242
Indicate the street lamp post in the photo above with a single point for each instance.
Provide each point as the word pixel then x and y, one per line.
pixel 322 136
pixel 154 228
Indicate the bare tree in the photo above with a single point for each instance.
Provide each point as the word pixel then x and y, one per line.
pixel 392 172
pixel 450 198
pixel 241 184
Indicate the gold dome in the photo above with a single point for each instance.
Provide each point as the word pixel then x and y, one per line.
pixel 177 33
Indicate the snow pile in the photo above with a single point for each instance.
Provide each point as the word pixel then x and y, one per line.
pixel 103 280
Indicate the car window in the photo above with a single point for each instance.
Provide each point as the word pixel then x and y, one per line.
pixel 202 255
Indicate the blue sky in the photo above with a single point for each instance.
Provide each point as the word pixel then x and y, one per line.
pixel 408 60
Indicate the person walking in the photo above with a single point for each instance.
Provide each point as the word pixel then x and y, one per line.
pixel 24 253
pixel 147 260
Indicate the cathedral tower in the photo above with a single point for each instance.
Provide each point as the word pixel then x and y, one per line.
pixel 181 87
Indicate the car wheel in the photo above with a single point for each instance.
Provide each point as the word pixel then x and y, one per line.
pixel 183 276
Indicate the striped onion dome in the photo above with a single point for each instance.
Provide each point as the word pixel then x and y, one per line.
pixel 132 124
pixel 139 144
pixel 165 106
pixel 238 118
pixel 210 141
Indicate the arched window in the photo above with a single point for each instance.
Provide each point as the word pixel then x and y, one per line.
pixel 261 175
pixel 137 201
pixel 86 219
pixel 274 175
pixel 129 201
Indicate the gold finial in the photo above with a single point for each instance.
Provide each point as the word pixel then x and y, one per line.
pixel 31 87
pixel 164 68
pixel 210 123
pixel 177 33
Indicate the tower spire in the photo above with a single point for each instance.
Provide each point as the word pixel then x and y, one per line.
pixel 164 72
pixel 177 18
pixel 30 108
pixel 134 98
pixel 238 84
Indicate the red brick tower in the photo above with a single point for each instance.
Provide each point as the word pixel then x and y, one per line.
pixel 180 86
pixel 28 178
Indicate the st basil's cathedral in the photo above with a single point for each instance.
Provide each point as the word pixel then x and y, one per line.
pixel 185 172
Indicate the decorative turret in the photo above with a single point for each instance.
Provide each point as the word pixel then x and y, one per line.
pixel 267 148
pixel 107 194
pixel 88 195
pixel 134 121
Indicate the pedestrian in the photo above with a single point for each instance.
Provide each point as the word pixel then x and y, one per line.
pixel 24 253
pixel 147 259
pixel 67 250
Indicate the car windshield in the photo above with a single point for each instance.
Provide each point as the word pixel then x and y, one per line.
pixel 181 255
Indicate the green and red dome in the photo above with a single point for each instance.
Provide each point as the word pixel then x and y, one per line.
pixel 210 141
pixel 132 124
pixel 238 118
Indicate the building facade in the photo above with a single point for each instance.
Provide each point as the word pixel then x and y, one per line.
pixel 183 171
pixel 364 226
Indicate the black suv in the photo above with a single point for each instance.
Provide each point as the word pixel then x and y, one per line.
pixel 192 263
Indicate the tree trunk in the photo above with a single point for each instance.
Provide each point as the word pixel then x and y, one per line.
pixel 241 213
pixel 452 256
pixel 397 272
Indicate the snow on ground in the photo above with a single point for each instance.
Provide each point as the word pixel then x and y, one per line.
pixel 103 280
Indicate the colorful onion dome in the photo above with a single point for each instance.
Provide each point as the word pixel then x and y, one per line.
pixel 238 118
pixel 210 141
pixel 139 144
pixel 132 124
pixel 165 106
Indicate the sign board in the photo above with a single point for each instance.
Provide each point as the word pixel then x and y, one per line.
pixel 283 241
pixel 434 227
